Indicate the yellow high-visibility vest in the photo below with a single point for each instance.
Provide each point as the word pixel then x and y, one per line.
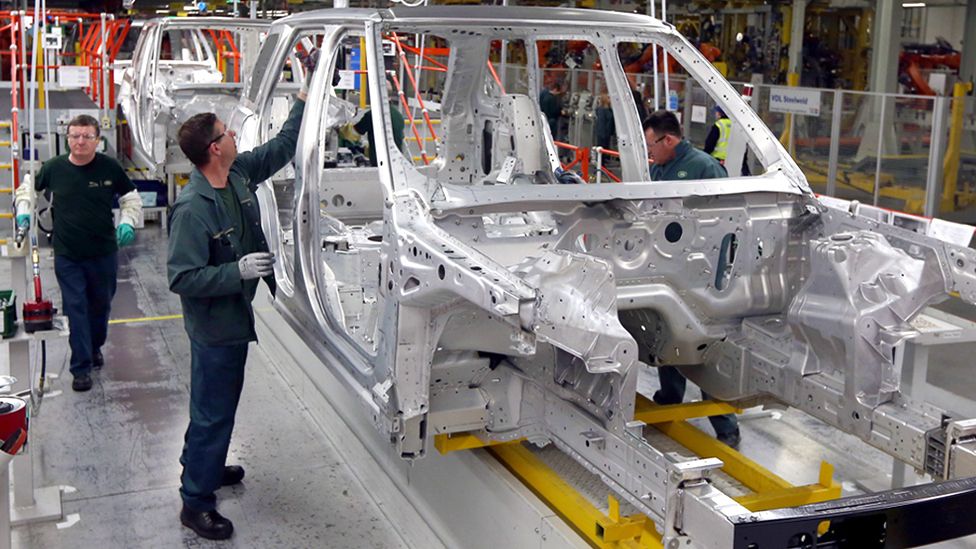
pixel 724 131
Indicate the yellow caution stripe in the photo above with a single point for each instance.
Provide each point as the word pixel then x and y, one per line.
pixel 144 319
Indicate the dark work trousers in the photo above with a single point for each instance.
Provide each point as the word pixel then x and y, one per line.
pixel 216 380
pixel 673 392
pixel 87 289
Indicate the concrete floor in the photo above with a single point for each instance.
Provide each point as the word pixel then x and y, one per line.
pixel 116 448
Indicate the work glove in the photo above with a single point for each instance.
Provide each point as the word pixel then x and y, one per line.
pixel 256 265
pixel 125 234
pixel 23 221
pixel 309 60
pixel 568 177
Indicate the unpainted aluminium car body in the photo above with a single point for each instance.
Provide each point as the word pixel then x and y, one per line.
pixel 456 296
pixel 174 74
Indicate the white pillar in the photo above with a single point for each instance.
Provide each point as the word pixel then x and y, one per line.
pixel 967 69
pixel 796 36
pixel 885 45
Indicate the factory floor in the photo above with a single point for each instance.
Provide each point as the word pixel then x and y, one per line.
pixel 115 450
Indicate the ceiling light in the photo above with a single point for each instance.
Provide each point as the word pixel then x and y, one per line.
pixel 913 5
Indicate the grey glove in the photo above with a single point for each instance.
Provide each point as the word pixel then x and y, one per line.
pixel 256 265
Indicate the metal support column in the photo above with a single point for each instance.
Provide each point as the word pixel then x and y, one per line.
pixel 885 47
pixel 796 36
pixel 689 105
pixel 834 143
pixel 967 67
pixel 882 78
pixel 933 178
pixel 30 503
pixel 877 158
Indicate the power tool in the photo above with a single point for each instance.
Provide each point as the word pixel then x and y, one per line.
pixel 38 314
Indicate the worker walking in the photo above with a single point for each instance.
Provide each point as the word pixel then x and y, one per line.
pixel 365 127
pixel 675 159
pixel 217 254
pixel 717 141
pixel 86 242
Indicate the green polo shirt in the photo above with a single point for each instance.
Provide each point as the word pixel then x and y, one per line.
pixel 82 207
pixel 365 126
pixel 688 163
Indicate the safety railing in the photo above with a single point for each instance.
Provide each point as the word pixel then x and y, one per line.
pixel 902 152
pixel 580 162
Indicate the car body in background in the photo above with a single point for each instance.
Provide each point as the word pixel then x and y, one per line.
pixel 180 67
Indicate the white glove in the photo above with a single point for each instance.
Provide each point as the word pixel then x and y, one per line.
pixel 256 265
pixel 24 196
pixel 130 208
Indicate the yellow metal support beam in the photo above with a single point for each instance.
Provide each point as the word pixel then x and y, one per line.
pixel 826 489
pixel 752 475
pixel 610 529
pixel 614 528
pixel 6 216
pixel 769 490
pixel 363 81
pixel 645 410
pixel 40 76
pixel 446 444
pixel 952 161
pixel 792 79
pixel 597 528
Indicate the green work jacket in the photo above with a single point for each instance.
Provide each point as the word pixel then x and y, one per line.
pixel 203 253
pixel 688 163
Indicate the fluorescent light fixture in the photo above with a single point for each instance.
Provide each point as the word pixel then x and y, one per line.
pixel 913 5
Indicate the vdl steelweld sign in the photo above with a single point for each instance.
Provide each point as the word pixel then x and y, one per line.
pixel 795 100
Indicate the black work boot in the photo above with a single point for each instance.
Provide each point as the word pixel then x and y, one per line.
pixel 81 383
pixel 98 360
pixel 731 439
pixel 233 474
pixel 207 524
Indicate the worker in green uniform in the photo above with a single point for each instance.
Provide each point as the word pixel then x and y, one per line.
pixel 717 141
pixel 217 254
pixel 675 159
pixel 551 104
pixel 84 184
pixel 365 126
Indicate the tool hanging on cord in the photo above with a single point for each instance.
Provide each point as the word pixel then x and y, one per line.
pixel 38 314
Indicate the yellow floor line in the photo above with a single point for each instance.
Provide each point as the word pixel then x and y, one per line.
pixel 144 319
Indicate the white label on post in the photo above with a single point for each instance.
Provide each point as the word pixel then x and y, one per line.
pixel 795 100
pixel 347 80
pixel 52 41
pixel 74 76
pixel 699 114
